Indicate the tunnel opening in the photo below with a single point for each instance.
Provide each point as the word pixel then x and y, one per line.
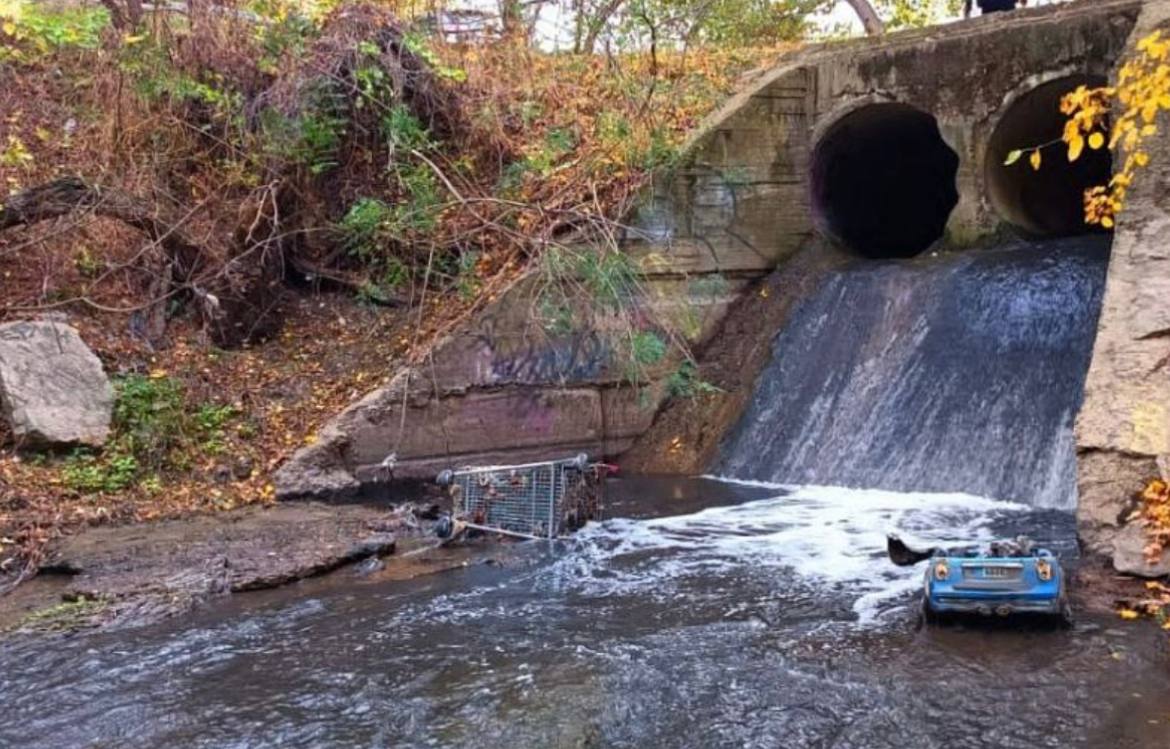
pixel 883 181
pixel 1045 202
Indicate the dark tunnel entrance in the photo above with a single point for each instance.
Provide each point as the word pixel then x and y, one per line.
pixel 883 181
pixel 1048 202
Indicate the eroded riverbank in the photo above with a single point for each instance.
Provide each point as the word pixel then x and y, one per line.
pixel 117 576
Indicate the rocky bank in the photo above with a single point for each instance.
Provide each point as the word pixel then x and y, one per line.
pixel 1123 431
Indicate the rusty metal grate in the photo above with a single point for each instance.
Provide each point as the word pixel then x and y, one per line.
pixel 541 500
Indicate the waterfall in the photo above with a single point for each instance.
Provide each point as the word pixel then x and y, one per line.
pixel 960 373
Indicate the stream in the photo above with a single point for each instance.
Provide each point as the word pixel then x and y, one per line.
pixel 702 613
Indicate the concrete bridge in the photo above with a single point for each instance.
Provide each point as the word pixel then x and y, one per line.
pixel 915 123
pixel 886 147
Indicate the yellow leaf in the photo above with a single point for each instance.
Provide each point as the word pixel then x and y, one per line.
pixel 128 39
pixel 1075 146
pixel 1107 222
pixel 158 374
pixel 1013 157
pixel 9 28
pixel 1096 140
pixel 1127 614
pixel 1141 158
pixel 1035 159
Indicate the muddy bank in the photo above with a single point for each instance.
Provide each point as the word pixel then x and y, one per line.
pixel 108 577
pixel 1096 588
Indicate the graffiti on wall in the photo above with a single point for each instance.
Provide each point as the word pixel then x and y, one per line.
pixel 536 358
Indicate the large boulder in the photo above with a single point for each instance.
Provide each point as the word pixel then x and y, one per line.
pixel 53 391
pixel 1123 429
pixel 1129 554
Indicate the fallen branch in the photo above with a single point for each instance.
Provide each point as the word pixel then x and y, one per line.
pixel 63 196
pixel 353 282
pixel 236 301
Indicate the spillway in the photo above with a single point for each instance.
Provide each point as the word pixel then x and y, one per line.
pixel 960 373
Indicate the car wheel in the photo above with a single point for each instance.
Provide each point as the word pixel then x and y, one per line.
pixel 929 615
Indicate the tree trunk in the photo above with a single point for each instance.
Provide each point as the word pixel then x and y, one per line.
pixel 124 18
pixel 68 194
pixel 512 20
pixel 869 17
pixel 596 25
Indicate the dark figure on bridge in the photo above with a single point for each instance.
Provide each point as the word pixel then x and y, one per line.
pixel 992 6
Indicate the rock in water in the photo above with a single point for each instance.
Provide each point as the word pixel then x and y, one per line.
pixel 53 390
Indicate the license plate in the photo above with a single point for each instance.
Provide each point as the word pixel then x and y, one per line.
pixel 997 572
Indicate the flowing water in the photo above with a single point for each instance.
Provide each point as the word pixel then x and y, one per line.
pixel 703 613
pixel 767 619
pixel 948 374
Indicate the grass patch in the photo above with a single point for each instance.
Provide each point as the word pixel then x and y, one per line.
pixel 155 430
pixel 66 616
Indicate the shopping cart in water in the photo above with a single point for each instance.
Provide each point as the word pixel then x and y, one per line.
pixel 529 500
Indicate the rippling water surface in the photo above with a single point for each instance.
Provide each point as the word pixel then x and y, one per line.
pixel 733 616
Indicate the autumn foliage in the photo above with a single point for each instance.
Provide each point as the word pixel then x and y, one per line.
pixel 1154 513
pixel 1124 117
pixel 402 177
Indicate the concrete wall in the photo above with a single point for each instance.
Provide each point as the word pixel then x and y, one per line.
pixel 506 388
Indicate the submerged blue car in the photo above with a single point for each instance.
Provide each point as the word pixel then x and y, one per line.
pixel 1011 577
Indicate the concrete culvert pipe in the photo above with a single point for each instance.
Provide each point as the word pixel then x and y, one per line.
pixel 883 181
pixel 1048 202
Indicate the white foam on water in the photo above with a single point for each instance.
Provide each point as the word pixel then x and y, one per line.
pixel 829 539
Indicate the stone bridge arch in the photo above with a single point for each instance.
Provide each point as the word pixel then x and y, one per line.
pixel 741 201
pixel 882 180
pixel 1046 202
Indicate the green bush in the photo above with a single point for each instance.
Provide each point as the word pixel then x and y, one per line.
pixel 685 382
pixel 149 416
pixel 153 429
pixel 312 138
pixel 89 474
pixel 646 349
pixel 405 131
pixel 51 28
pixel 365 220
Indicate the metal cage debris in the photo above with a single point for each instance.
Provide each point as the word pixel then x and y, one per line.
pixel 531 500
